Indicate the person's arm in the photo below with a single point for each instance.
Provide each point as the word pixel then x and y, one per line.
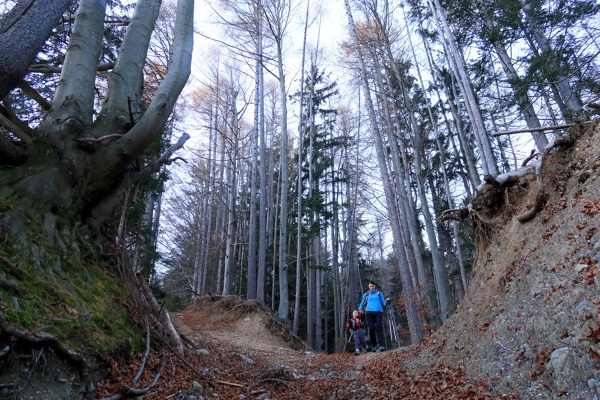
pixel 361 307
pixel 383 301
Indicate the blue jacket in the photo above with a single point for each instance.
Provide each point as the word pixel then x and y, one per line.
pixel 375 302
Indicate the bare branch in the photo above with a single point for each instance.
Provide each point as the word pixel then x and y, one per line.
pixel 101 138
pixel 164 159
pixel 12 127
pixel 542 128
pixel 52 69
pixel 31 92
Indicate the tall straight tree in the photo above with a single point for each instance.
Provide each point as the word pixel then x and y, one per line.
pixel 441 151
pixel 383 31
pixel 495 34
pixel 407 286
pixel 249 21
pixel 298 296
pixel 262 213
pixel 457 63
pixel 278 13
pixel 232 172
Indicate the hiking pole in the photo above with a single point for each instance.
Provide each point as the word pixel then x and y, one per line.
pixel 392 317
pixel 392 331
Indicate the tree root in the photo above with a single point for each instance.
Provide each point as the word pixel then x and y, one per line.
pixel 145 357
pixel 11 268
pixel 502 181
pixel 161 314
pixel 128 391
pixel 541 197
pixel 50 341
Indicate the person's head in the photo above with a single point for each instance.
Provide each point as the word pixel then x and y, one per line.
pixel 355 313
pixel 372 285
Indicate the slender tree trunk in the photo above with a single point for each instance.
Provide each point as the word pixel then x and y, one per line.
pixel 299 197
pixel 405 198
pixel 571 105
pixel 283 310
pixel 408 292
pixel 467 153
pixel 252 273
pixel 212 151
pixel 517 85
pixel 262 213
pixel 220 222
pixel 457 63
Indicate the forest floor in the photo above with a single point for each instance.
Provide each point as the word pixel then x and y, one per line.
pixel 528 327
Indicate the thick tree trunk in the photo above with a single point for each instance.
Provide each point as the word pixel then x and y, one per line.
pixel 23 31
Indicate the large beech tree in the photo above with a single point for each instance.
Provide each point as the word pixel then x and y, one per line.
pixel 81 157
pixel 78 164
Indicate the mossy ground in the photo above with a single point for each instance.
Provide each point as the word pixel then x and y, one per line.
pixel 63 293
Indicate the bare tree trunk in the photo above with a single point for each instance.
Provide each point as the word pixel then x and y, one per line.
pixel 213 141
pixel 406 206
pixel 231 203
pixel 319 309
pixel 278 14
pixel 220 221
pixel 262 213
pixel 442 164
pixel 299 197
pixel 520 92
pixel 408 292
pixel 566 99
pixel 251 282
pixel 457 64
pixel 467 153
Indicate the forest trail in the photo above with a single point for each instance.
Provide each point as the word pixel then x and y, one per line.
pixel 528 327
pixel 246 352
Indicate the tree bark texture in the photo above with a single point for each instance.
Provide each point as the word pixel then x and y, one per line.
pixel 23 31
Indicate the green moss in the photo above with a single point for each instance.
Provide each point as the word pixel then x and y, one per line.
pixel 77 301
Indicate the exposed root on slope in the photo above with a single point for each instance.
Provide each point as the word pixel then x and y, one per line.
pixel 491 195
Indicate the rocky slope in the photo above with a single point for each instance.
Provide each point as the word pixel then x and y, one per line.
pixel 530 322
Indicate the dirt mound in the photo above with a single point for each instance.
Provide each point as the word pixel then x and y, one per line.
pixel 246 320
pixel 530 321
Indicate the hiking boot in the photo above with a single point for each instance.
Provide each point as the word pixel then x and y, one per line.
pixel 374 349
pixel 357 352
pixel 381 348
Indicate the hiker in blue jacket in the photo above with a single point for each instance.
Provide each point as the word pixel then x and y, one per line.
pixel 372 304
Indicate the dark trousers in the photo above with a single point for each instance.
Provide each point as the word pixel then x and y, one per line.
pixel 375 321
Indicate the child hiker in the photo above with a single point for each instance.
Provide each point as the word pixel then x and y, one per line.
pixel 356 326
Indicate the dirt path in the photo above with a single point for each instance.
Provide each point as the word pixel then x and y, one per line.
pixel 246 353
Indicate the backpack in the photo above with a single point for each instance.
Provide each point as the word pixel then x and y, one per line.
pixel 380 300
